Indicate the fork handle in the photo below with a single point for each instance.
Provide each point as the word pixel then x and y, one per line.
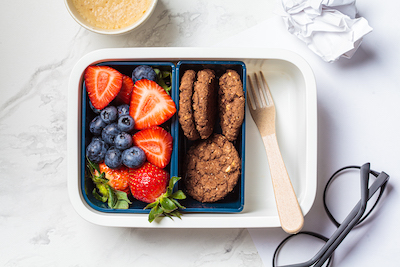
pixel 290 214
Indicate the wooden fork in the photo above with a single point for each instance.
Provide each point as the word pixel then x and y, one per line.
pixel 262 109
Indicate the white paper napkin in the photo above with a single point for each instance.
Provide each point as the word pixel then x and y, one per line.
pixel 328 27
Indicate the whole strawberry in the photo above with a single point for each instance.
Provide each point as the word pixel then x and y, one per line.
pixel 111 186
pixel 152 185
pixel 148 182
pixel 117 179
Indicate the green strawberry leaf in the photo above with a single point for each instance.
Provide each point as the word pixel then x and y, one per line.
pixel 122 205
pixel 155 212
pixel 100 178
pixel 123 200
pixel 112 197
pixel 172 181
pixel 152 205
pixel 167 205
pixel 98 196
pixel 178 204
pixel 176 213
pixel 92 166
pixel 122 196
pixel 178 195
pixel 164 77
pixel 102 190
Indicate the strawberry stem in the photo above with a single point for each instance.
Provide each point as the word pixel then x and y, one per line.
pixel 167 204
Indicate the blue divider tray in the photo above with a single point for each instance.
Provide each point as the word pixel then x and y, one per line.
pixel 233 202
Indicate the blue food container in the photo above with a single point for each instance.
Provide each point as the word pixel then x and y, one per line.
pixel 234 201
pixel 126 67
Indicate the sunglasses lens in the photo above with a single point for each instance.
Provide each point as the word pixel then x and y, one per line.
pixel 293 250
pixel 343 193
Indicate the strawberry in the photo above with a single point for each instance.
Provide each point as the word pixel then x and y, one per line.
pixel 103 84
pixel 150 104
pixel 111 186
pixel 152 185
pixel 156 144
pixel 117 178
pixel 124 95
pixel 148 182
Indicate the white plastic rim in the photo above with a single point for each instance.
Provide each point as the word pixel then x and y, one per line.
pixel 292 81
pixel 81 21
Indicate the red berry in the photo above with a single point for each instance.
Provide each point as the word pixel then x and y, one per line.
pixel 103 84
pixel 156 143
pixel 148 182
pixel 124 95
pixel 118 179
pixel 150 104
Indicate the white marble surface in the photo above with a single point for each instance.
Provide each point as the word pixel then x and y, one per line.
pixel 40 43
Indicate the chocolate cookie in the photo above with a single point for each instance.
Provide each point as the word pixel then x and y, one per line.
pixel 212 170
pixel 185 112
pixel 205 102
pixel 231 102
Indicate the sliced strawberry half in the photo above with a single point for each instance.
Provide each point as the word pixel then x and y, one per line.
pixel 103 84
pixel 150 104
pixel 156 143
pixel 124 95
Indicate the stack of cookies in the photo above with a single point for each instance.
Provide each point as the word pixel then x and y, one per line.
pixel 213 164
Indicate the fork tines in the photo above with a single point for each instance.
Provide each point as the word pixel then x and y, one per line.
pixel 260 96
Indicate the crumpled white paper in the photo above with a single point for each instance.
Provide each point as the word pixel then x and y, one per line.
pixel 328 27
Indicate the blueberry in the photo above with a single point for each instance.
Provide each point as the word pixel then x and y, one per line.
pixel 96 150
pixel 109 114
pixel 123 141
pixel 113 158
pixel 95 110
pixel 143 72
pixel 126 123
pixel 123 110
pixel 109 132
pixel 133 157
pixel 98 138
pixel 96 125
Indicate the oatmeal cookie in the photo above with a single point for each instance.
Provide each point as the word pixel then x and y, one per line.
pixel 212 170
pixel 231 103
pixel 185 113
pixel 205 102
